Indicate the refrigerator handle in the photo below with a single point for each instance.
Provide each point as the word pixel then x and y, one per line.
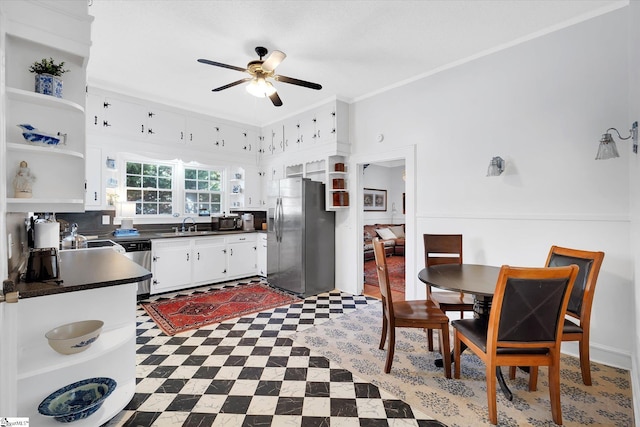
pixel 280 220
pixel 276 218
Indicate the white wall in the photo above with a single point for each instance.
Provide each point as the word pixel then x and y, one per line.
pixel 542 106
pixel 634 193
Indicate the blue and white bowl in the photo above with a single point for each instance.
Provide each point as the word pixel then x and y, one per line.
pixel 78 400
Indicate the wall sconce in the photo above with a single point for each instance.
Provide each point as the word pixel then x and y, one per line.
pixel 496 166
pixel 607 148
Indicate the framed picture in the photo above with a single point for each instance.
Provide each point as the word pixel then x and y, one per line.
pixel 375 200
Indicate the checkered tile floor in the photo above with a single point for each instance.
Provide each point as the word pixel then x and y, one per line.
pixel 248 372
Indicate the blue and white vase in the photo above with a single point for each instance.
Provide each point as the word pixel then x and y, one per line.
pixel 48 84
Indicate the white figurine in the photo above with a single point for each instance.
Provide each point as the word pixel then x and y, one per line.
pixel 22 182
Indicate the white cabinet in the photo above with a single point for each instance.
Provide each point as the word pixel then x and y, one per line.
pixel 242 259
pixel 93 195
pixel 171 264
pixel 209 260
pixel 183 262
pixel 253 197
pixel 41 370
pixel 262 254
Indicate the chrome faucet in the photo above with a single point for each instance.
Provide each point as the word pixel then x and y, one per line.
pixel 192 220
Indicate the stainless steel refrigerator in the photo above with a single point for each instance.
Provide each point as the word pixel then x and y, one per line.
pixel 300 237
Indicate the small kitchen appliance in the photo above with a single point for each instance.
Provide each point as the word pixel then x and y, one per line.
pixel 226 223
pixel 43 265
pixel 46 234
pixel 247 222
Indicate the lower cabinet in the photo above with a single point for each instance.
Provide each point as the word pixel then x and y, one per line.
pixel 183 262
pixel 262 254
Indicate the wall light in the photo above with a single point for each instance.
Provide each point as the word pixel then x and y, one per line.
pixel 496 166
pixel 607 148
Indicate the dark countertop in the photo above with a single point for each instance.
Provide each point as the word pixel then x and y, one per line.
pixel 147 235
pixel 87 269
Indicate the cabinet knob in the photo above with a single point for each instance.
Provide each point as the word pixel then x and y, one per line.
pixel 95 196
pixel 95 120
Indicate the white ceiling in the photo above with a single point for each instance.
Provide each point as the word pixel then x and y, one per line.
pixel 354 49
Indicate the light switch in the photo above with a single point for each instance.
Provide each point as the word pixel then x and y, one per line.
pixel 106 220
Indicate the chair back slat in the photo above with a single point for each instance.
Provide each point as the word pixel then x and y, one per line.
pixel 383 275
pixel 442 249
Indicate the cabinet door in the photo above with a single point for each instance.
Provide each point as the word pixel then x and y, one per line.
pixel 262 254
pixel 93 197
pixel 252 188
pixel 200 132
pixel 242 259
pixel 209 260
pixel 166 126
pixel 123 117
pixel 326 123
pixel 171 266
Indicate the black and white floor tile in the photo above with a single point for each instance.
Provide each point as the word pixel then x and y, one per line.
pixel 248 372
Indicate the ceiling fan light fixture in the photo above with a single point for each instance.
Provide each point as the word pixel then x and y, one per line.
pixel 260 88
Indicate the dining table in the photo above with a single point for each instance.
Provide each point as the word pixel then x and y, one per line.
pixel 474 279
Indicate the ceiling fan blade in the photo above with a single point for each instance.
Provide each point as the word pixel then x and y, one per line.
pixel 298 82
pixel 236 83
pixel 273 60
pixel 275 99
pixel 220 64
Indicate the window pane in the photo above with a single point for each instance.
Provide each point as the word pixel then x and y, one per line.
pixel 165 171
pixel 148 169
pixel 190 174
pixel 216 198
pixel 150 196
pixel 134 195
pixel 215 176
pixel 190 185
pixel 203 175
pixel 203 185
pixel 134 168
pixel 203 197
pixel 166 209
pixel 165 196
pixel 150 182
pixel 149 208
pixel 215 186
pixel 164 183
pixel 134 181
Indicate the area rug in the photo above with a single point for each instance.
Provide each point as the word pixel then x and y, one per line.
pixel 352 342
pixel 395 266
pixel 184 313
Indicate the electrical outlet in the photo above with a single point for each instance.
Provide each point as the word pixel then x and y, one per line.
pixel 106 220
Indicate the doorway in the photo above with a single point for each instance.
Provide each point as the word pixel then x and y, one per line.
pixel 402 156
pixel 385 219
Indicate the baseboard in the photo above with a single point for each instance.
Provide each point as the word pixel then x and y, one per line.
pixel 601 354
pixel 635 386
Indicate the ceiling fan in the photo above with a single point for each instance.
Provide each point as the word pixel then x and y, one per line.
pixel 260 71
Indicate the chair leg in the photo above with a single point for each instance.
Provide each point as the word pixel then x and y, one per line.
pixel 584 360
pixel 456 355
pixel 512 372
pixel 491 393
pixel 383 335
pixel 554 391
pixel 533 378
pixel 390 351
pixel 445 349
pixel 430 339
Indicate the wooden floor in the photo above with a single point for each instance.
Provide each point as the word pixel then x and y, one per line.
pixel 374 291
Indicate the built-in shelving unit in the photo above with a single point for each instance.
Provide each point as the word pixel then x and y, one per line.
pixel 32 31
pixel 337 184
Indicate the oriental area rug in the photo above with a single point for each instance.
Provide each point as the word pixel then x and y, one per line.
pixel 395 266
pixel 184 313
pixel 352 342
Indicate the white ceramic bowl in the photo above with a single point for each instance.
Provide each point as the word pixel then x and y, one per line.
pixel 74 337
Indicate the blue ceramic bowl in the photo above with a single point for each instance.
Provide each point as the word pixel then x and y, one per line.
pixel 78 400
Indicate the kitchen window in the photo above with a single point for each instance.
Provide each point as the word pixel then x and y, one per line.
pixel 203 191
pixel 150 186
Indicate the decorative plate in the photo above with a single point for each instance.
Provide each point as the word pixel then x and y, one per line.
pixel 35 136
pixel 78 400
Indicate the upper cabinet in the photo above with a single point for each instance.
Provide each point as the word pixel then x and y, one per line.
pixel 48 162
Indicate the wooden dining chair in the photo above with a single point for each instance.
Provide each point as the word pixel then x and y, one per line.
pixel 524 328
pixel 421 314
pixel 445 249
pixel 580 302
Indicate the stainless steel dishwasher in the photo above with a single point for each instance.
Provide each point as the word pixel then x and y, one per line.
pixel 139 251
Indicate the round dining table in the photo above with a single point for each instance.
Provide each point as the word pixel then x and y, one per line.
pixel 478 280
pixel 475 279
